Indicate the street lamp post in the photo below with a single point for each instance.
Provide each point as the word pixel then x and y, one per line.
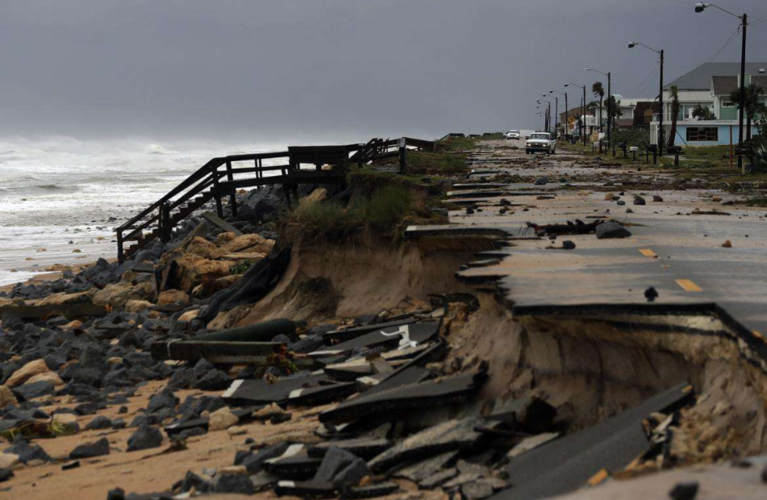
pixel 660 96
pixel 583 110
pixel 700 7
pixel 609 103
pixel 566 109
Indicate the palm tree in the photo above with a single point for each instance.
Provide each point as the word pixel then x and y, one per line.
pixel 701 112
pixel 674 115
pixel 599 91
pixel 752 104
pixel 613 110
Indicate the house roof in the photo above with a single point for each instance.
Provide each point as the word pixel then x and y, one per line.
pixel 724 85
pixel 700 77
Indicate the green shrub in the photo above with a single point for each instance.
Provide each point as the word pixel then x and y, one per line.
pixel 388 207
pixel 419 162
pixel 328 219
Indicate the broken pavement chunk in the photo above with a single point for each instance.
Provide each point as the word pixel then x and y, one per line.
pixel 295 463
pixel 432 392
pixel 425 469
pixel 363 447
pixel 567 463
pixel 408 335
pixel 453 435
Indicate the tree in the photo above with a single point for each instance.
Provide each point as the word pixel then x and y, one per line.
pixel 752 104
pixel 599 91
pixel 614 110
pixel 674 115
pixel 701 112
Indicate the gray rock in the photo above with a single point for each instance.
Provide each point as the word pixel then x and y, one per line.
pixel 98 423
pixel 192 480
pixel 34 390
pixel 611 230
pixel 335 461
pixel 89 450
pixel 144 439
pixel 27 452
pixel 5 475
pixel 541 181
pixel 254 463
pixel 352 474
pixel 477 490
pixel 684 491
pixel 162 400
pixel 215 380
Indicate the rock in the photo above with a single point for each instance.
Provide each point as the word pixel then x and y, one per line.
pixel 222 419
pixel 202 247
pixel 117 295
pixel 161 400
pixel 8 460
pixel 27 452
pixel 90 450
pixel 192 480
pixel 116 494
pixel 651 294
pixel 638 200
pixel 203 272
pixel 541 181
pixel 253 243
pixel 6 397
pixel 727 244
pixel 716 199
pixel 171 297
pixel 214 380
pixel 224 238
pixel 477 490
pixel 145 438
pixel 620 203
pixel 684 491
pixel 568 245
pixel 319 194
pixel 98 423
pixel 28 392
pixel 609 196
pixel 235 483
pixel 62 299
pixel 5 475
pixel 49 376
pixel 611 230
pixel 26 372
pixel 236 430
pixel 655 197
pixel 189 315
pixel 137 306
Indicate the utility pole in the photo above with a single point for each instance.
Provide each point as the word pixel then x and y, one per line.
pixel 744 27
pixel 584 128
pixel 661 143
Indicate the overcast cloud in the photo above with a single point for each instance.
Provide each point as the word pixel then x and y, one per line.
pixel 302 69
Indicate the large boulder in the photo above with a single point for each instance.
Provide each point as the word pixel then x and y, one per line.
pixel 26 372
pixel 63 299
pixel 136 306
pixel 260 203
pixel 119 294
pixel 6 397
pixel 204 271
pixel 202 247
pixel 170 297
pixel 250 243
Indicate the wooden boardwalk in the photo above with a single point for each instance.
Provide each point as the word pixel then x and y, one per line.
pixel 221 177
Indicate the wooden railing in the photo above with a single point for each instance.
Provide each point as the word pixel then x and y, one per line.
pixel 222 177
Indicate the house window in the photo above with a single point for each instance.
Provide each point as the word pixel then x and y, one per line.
pixel 702 134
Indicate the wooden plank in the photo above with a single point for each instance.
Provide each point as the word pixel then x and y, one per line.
pixel 215 219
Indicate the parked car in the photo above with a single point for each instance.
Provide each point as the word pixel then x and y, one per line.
pixel 512 134
pixel 541 142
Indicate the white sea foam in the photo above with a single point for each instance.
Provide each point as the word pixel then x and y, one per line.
pixel 61 190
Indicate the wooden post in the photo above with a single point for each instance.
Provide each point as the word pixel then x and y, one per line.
pixel 731 151
pixel 233 192
pixel 403 155
pixel 165 231
pixel 120 255
pixel 217 193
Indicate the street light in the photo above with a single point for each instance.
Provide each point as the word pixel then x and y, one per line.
pixel 609 105
pixel 567 109
pixel 660 96
pixel 700 7
pixel 583 109
pixel 548 113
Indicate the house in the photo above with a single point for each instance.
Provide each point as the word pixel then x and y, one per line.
pixel 709 85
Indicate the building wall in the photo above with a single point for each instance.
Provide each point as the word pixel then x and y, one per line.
pixel 687 138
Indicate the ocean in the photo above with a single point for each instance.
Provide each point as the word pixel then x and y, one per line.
pixel 60 198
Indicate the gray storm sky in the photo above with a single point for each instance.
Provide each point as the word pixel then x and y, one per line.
pixel 298 69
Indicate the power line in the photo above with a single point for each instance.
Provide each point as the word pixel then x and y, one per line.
pixel 728 42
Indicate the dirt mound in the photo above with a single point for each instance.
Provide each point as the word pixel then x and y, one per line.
pixel 325 281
